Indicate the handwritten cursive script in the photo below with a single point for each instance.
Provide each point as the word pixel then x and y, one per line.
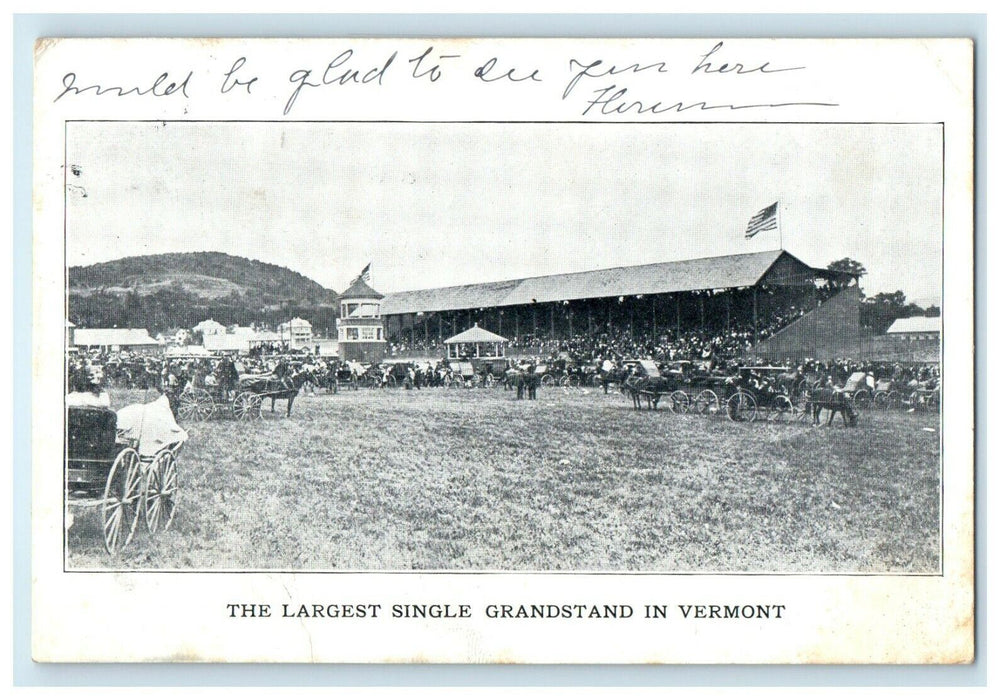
pixel 157 89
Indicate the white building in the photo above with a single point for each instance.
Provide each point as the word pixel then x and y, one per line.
pixel 916 328
pixel 115 340
pixel 296 332
pixel 209 327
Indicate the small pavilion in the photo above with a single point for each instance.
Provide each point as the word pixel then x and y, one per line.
pixel 476 343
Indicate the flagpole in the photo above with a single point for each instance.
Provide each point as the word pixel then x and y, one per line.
pixel 779 223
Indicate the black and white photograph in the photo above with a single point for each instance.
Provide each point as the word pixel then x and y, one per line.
pixel 399 350
pixel 703 347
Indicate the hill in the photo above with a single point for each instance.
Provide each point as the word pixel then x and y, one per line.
pixel 173 290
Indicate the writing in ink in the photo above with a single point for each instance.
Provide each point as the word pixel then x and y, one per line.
pixel 337 73
pixel 706 67
pixel 158 88
pixel 610 100
pixel 433 73
pixel 598 69
pixel 485 72
pixel 231 80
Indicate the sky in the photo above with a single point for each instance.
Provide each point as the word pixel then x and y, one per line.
pixel 431 205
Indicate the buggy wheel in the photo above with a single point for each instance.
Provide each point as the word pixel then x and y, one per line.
pixel 915 402
pixel 894 400
pixel 186 405
pixel 596 380
pixel 196 405
pixel 741 406
pixel 781 405
pixel 547 380
pixel 880 402
pixel 679 402
pixel 120 506
pixel 247 406
pixel 159 492
pixel 490 381
pixel 706 402
pixel 862 400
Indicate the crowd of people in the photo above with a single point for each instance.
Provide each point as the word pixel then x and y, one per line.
pixel 700 341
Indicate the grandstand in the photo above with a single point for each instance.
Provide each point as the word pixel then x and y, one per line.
pixel 767 303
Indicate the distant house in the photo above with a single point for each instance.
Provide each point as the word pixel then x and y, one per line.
pixel 296 332
pixel 239 339
pixel 115 340
pixel 209 327
pixel 916 328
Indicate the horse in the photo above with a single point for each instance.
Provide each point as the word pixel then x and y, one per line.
pixel 826 399
pixel 227 377
pixel 274 387
pixel 649 388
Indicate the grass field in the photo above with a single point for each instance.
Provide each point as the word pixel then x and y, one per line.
pixel 474 479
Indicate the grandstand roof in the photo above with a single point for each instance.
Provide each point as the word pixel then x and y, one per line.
pixel 916 324
pixel 726 271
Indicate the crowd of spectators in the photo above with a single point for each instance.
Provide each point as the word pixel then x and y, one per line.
pixel 699 342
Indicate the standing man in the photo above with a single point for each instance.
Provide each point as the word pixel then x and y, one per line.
pixel 532 379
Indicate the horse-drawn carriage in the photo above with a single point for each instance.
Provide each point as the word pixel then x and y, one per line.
pixel 696 389
pixel 759 391
pixel 126 465
pixel 240 396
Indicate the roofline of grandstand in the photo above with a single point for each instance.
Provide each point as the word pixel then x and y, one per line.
pixel 604 269
pixel 503 290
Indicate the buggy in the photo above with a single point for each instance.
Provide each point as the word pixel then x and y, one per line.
pixel 125 465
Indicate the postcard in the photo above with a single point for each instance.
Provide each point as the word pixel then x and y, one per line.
pixel 503 351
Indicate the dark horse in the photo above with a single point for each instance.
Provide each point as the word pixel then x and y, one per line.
pixel 826 399
pixel 649 389
pixel 276 386
pixel 226 375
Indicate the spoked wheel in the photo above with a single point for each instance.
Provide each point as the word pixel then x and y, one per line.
pixel 706 402
pixel 159 493
pixel 862 400
pixel 196 405
pixel 247 406
pixel 679 402
pixel 781 406
pixel 880 402
pixel 120 507
pixel 547 380
pixel 741 406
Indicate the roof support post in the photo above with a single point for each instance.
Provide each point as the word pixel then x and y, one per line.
pixel 653 319
pixel 552 321
pixel 755 312
pixel 678 316
pixel 727 299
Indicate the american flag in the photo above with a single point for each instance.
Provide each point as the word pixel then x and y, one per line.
pixel 765 220
pixel 365 274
